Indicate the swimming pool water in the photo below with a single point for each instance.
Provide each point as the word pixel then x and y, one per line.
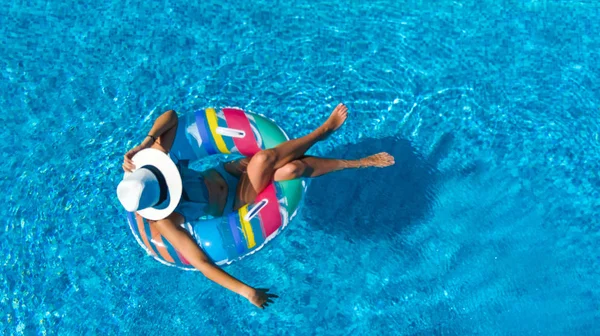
pixel 486 224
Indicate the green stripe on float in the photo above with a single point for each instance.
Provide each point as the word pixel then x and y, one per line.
pixel 293 191
pixel 271 134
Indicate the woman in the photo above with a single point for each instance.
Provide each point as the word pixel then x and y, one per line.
pixel 206 193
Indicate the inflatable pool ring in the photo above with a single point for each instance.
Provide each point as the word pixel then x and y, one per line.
pixel 239 233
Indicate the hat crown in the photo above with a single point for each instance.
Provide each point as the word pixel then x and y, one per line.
pixel 139 190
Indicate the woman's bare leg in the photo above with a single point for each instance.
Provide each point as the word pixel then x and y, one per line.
pixel 263 164
pixel 310 166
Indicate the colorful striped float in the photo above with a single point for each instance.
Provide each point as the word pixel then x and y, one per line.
pixel 243 232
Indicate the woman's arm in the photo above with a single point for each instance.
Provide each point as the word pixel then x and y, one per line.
pixel 164 130
pixel 161 137
pixel 184 243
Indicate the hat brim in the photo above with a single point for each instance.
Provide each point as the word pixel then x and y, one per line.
pixel 162 162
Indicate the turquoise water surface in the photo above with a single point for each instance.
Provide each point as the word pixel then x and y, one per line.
pixel 487 224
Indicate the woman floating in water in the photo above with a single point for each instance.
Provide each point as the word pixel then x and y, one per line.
pixel 154 189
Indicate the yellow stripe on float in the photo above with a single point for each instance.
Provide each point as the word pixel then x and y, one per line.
pixel 246 227
pixel 211 117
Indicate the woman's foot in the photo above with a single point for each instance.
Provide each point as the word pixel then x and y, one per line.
pixel 335 121
pixel 379 160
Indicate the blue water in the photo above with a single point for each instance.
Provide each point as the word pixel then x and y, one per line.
pixel 486 224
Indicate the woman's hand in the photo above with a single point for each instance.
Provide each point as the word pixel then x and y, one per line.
pixel 260 297
pixel 128 165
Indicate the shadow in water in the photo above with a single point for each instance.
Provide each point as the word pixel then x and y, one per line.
pixel 372 203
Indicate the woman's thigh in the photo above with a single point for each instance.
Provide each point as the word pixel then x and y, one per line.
pixel 245 192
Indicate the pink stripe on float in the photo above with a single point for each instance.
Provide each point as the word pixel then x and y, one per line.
pixel 269 215
pixel 237 119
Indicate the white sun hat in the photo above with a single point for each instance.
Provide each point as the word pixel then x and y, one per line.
pixel 154 188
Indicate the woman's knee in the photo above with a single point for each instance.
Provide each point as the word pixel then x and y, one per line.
pixel 295 169
pixel 264 158
pixel 290 171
